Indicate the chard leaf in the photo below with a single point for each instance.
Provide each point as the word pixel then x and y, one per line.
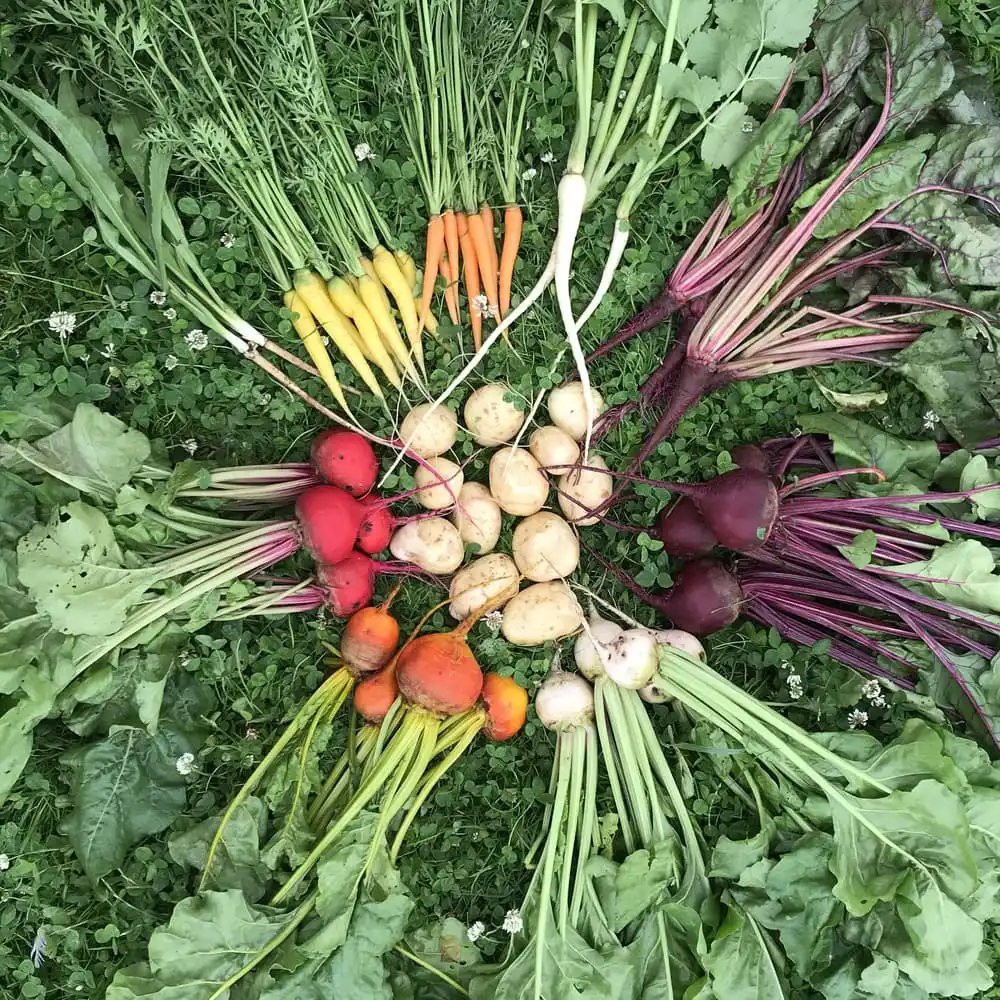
pixel 966 157
pixel 961 572
pixel 210 937
pixel 853 402
pixel 778 141
pixel 731 857
pixel 844 42
pixel 880 978
pixel 73 570
pixel 977 473
pixel 641 879
pixel 881 844
pixel 857 444
pixel 727 136
pixel 766 79
pixel 743 964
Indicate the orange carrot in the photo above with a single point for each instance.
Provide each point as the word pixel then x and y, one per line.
pixel 432 262
pixel 470 269
pixel 446 273
pixel 451 242
pixel 487 214
pixel 513 222
pixel 481 247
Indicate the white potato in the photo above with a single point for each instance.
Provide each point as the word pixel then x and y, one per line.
pixel 435 494
pixel 429 434
pixel 541 612
pixel 568 408
pixel 516 482
pixel 581 490
pixel 480 582
pixel 477 517
pixel 491 420
pixel 545 547
pixel 433 544
pixel 553 447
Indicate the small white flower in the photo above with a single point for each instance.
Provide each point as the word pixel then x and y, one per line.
pixel 622 95
pixel 529 175
pixel 190 446
pixel 4 862
pixel 185 763
pixel 931 420
pixel 525 43
pixel 109 350
pixel 873 692
pixel 157 298
pixel 747 126
pixel 857 718
pixel 547 157
pixel 84 358
pixel 170 362
pixel 794 686
pixel 38 946
pixel 196 339
pixel 252 733
pixel 480 305
pixel 63 323
pixel 476 931
pixel 185 658
pixel 170 314
pixel 227 240
pixel 512 922
pixel 362 152
pixel 494 620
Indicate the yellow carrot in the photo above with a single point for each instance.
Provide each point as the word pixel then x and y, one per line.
pixel 408 267
pixel 350 303
pixel 305 327
pixel 313 292
pixel 369 269
pixel 375 300
pixel 395 282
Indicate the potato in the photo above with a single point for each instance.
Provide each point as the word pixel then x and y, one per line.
pixel 590 489
pixel 480 582
pixel 477 517
pixel 491 420
pixel 545 547
pixel 516 482
pixel 433 544
pixel 429 434
pixel 436 495
pixel 568 409
pixel 553 447
pixel 541 612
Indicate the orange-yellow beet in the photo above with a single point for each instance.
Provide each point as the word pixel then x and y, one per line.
pixel 439 673
pixel 506 705
pixel 369 640
pixel 374 696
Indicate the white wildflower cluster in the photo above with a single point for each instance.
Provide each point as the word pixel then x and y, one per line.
pixel 4 862
pixel 476 931
pixel 931 420
pixel 547 157
pixel 227 240
pixel 362 152
pixel 493 620
pixel 857 718
pixel 63 323
pixel 480 305
pixel 158 298
pixel 170 315
pixel 512 922
pixel 190 445
pixel 795 688
pixel 170 362
pixel 872 690
pixel 529 175
pixel 197 339
pixel 185 763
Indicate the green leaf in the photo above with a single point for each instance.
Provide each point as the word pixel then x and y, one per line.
pixel 720 54
pixel 853 402
pixel 742 963
pixel 962 572
pixel 641 879
pixel 72 567
pixel 778 141
pixel 726 137
pixel 975 474
pixel 691 16
pixel 880 844
pixel 701 92
pixel 774 24
pixel 859 553
pixel 880 978
pixel 730 858
pixel 210 937
pixel 445 945
pixel 766 79
pixel 616 8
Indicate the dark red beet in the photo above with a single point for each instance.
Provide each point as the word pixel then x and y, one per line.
pixel 377 526
pixel 345 459
pixel 749 456
pixel 705 597
pixel 349 584
pixel 739 507
pixel 683 531
pixel 329 519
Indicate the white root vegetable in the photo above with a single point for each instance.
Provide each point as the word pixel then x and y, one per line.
pixel 433 544
pixel 477 517
pixel 678 639
pixel 540 613
pixel 591 648
pixel 429 431
pixel 553 447
pixel 490 418
pixel 632 659
pixel 582 490
pixel 653 694
pixel 516 482
pixel 564 701
pixel 568 408
pixel 484 579
pixel 545 547
pixel 434 494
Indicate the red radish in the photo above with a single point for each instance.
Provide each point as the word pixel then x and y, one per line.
pixel 344 458
pixel 749 456
pixel 683 531
pixel 739 507
pixel 377 526
pixel 329 518
pixel 375 695
pixel 506 704
pixel 370 637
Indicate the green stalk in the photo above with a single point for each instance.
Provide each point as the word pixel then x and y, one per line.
pixel 588 828
pixel 584 44
pixel 573 832
pixel 609 754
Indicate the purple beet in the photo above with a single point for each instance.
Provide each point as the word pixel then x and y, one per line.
pixel 683 531
pixel 739 507
pixel 749 456
pixel 705 597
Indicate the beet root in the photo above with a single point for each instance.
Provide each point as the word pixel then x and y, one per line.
pixel 683 531
pixel 704 598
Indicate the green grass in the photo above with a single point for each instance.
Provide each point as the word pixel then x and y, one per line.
pixel 465 855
